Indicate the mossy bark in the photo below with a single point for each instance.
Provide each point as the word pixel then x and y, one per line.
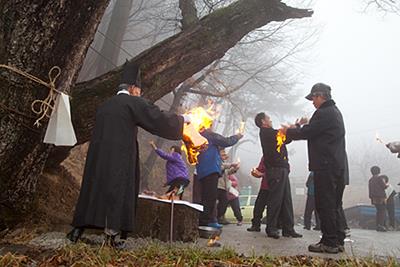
pixel 35 36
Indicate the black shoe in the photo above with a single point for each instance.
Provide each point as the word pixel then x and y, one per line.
pixel 321 248
pixel 381 228
pixel 341 248
pixel 274 235
pixel 293 234
pixel 254 229
pixel 307 227
pixel 317 228
pixel 75 234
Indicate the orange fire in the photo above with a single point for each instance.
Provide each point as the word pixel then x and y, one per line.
pixel 280 140
pixel 201 119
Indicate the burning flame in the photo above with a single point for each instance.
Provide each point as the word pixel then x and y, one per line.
pixel 201 119
pixel 280 140
pixel 212 241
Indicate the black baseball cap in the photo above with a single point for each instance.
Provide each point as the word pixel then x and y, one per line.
pixel 319 89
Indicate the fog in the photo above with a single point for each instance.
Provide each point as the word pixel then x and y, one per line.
pixel 357 54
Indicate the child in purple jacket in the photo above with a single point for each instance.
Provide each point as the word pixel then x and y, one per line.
pixel 177 171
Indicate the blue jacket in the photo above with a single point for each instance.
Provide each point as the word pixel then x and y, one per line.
pixel 209 161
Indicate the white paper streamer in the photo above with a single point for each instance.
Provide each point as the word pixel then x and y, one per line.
pixel 60 131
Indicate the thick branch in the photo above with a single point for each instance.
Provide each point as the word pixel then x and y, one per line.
pixel 189 13
pixel 169 63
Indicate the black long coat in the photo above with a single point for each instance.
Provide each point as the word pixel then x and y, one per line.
pixel 111 177
pixel 325 134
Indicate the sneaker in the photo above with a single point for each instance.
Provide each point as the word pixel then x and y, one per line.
pixel 239 223
pixel 254 229
pixel 321 248
pixel 292 233
pixel 215 225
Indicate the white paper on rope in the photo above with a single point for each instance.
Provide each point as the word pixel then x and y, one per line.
pixel 60 131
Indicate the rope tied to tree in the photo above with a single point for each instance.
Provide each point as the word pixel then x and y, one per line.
pixel 38 106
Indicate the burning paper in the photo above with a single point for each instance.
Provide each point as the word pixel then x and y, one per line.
pixel 280 140
pixel 201 119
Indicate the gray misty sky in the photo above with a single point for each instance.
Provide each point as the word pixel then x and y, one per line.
pixel 358 55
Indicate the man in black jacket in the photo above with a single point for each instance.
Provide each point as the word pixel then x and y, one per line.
pixel 325 134
pixel 279 201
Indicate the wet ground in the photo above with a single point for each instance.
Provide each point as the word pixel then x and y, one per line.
pixel 362 243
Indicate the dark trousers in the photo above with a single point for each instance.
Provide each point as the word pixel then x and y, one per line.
pixel 224 202
pixel 196 190
pixel 329 187
pixel 343 218
pixel 259 207
pixel 380 214
pixel 209 186
pixel 390 211
pixel 235 205
pixel 176 184
pixel 310 208
pixel 222 205
pixel 279 203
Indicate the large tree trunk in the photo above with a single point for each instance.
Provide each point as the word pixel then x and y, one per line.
pixel 35 35
pixel 169 63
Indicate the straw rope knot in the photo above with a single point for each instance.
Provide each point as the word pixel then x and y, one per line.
pixel 42 108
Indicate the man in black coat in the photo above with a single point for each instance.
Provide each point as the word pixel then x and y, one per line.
pixel 325 134
pixel 110 183
pixel 279 201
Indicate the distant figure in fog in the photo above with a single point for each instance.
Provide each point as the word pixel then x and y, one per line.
pixel 377 186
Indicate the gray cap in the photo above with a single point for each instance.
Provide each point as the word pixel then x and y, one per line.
pixel 319 89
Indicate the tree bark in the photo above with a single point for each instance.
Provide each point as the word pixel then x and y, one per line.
pixel 153 220
pixel 169 63
pixel 113 37
pixel 189 13
pixel 35 35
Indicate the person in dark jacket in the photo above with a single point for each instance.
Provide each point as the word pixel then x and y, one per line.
pixel 325 135
pixel 110 184
pixel 310 205
pixel 177 171
pixel 208 171
pixel 279 203
pixel 376 188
